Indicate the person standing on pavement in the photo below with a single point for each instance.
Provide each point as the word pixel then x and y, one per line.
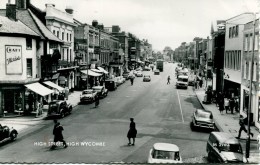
pixel 58 136
pixel 231 104
pixel 132 132
pixel 96 101
pixel 168 80
pixel 242 127
pixel 221 104
pixel 226 104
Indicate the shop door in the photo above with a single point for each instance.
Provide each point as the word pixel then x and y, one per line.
pixel 9 100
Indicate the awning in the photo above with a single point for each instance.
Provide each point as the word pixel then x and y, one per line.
pixel 53 85
pixel 103 70
pixel 97 70
pixel 55 76
pixel 90 73
pixel 40 89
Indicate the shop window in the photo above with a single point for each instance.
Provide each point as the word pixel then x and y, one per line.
pixel 29 67
pixel 246 101
pixel 18 101
pixel 28 43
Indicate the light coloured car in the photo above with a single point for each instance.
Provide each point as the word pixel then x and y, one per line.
pixel 147 78
pixel 182 82
pixel 164 153
pixel 88 95
pixel 101 91
pixel 202 119
pixel 139 74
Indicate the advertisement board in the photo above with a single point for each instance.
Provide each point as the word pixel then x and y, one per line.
pixel 13 59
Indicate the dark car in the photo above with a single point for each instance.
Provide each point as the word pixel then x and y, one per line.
pixel 101 91
pixel 7 134
pixel 59 108
pixel 147 78
pixel 156 72
pixel 203 119
pixel 110 85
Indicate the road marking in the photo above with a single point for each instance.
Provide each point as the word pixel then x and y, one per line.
pixel 180 106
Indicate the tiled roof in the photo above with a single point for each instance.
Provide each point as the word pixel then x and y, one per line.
pixel 15 27
pixel 45 31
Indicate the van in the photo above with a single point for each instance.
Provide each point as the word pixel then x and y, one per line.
pixel 182 81
pixel 222 147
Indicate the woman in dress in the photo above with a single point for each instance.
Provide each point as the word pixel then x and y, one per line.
pixel 132 132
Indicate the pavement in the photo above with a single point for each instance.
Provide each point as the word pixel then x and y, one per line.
pixel 230 123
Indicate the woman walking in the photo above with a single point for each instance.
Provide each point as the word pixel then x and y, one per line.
pixel 132 132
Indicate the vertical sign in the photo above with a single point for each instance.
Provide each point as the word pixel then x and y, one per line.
pixel 13 59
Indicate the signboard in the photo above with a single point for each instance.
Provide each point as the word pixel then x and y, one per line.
pixel 13 59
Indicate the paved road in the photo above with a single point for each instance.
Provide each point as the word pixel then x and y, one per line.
pixel 162 114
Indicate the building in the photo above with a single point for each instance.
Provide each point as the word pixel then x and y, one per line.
pixel 248 52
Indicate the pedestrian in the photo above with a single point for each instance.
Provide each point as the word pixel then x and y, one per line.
pixel 132 132
pixel 242 127
pixel 168 80
pixel 96 101
pixel 221 105
pixel 226 104
pixel 232 104
pixel 201 83
pixel 132 80
pixel 58 136
pixel 236 104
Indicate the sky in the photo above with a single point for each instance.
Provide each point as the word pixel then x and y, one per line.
pixel 162 22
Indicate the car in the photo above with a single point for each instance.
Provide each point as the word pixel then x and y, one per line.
pixel 88 95
pixel 58 108
pixel 182 82
pixel 222 147
pixel 139 74
pixel 164 153
pixel 146 68
pixel 126 75
pixel 7 134
pixel 147 78
pixel 119 80
pixel 156 72
pixel 110 85
pixel 101 91
pixel 203 119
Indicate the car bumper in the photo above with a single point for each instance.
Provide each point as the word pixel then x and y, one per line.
pixel 86 99
pixel 204 125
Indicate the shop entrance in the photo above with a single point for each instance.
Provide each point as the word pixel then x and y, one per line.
pixel 9 100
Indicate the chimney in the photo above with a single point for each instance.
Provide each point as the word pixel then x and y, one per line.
pixel 22 4
pixel 101 26
pixel 11 11
pixel 94 23
pixel 69 10
pixel 115 29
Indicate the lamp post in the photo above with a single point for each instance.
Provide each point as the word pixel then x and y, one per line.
pixel 250 93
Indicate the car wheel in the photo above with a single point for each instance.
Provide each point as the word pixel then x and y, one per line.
pixel 62 115
pixel 13 136
pixel 70 109
pixel 192 126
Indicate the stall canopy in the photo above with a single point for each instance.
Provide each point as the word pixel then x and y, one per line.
pixel 90 73
pixel 103 70
pixel 97 70
pixel 53 85
pixel 39 89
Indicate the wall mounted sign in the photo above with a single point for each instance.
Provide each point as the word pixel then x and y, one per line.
pixel 13 59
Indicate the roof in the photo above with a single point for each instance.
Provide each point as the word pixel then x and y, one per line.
pixel 15 27
pixel 225 137
pixel 166 147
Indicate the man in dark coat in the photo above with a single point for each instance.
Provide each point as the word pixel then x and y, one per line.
pixel 242 127
pixel 132 132
pixel 57 132
pixel 231 104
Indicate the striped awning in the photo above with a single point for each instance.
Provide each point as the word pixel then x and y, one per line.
pixel 39 89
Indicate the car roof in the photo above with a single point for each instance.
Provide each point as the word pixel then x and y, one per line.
pixel 183 76
pixel 224 137
pixel 146 75
pixel 97 87
pixel 87 90
pixel 166 147
pixel 203 111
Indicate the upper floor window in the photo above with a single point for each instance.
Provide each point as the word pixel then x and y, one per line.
pixel 28 43
pixel 58 34
pixel 62 35
pixel 246 42
pixel 53 31
pixel 29 67
pixel 230 32
pixel 70 37
pixel 67 36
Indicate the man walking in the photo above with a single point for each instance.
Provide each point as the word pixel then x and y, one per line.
pixel 242 127
pixel 168 80
pixel 58 137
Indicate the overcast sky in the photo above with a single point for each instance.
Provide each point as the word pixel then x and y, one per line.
pixel 162 22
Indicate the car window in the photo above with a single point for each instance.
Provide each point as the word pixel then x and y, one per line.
pixel 230 147
pixel 158 154
pixel 183 79
pixel 87 92
pixel 203 114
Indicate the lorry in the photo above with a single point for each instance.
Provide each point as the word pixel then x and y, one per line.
pixel 159 65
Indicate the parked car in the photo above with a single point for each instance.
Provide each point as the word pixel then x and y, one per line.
pixel 147 78
pixel 182 82
pixel 7 134
pixel 101 91
pixel 156 72
pixel 110 85
pixel 139 74
pixel 164 153
pixel 119 80
pixel 88 95
pixel 146 68
pixel 126 75
pixel 222 147
pixel 59 108
pixel 203 119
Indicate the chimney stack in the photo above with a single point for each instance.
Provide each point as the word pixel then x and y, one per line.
pixel 69 10
pixel 11 11
pixel 95 23
pixel 22 4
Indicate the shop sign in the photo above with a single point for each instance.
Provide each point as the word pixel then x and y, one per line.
pixel 13 59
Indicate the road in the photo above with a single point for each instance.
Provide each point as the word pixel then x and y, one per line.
pixel 162 114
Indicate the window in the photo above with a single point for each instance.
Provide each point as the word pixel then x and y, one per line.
pixel 251 42
pixel 246 42
pixel 53 31
pixel 236 31
pixel 70 37
pixel 67 54
pixel 245 64
pixel 256 41
pixel 230 32
pixel 28 43
pixel 254 75
pixel 249 70
pixel 58 34
pixel 62 35
pixel 29 67
pixel 239 60
pixel 70 56
pixel 67 36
